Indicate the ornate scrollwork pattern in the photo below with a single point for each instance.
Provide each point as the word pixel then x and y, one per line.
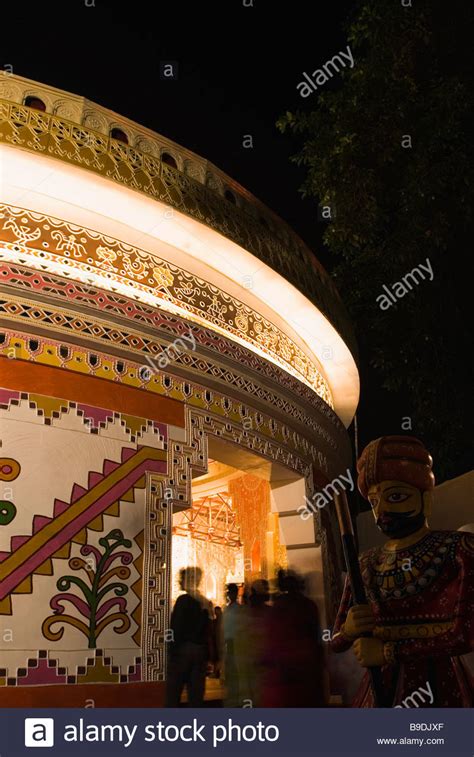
pixel 81 145
pixel 48 241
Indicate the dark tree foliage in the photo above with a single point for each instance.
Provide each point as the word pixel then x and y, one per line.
pixel 396 206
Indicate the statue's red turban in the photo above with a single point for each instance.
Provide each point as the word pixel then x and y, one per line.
pixel 395 458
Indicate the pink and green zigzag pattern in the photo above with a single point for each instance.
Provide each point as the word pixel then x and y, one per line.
pixel 52 536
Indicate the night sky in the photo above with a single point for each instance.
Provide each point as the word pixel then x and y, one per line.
pixel 238 68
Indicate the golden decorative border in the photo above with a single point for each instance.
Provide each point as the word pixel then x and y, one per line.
pixel 265 428
pixel 49 241
pixel 69 322
pixel 82 146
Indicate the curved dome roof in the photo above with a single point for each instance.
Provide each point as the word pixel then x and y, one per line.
pixel 86 165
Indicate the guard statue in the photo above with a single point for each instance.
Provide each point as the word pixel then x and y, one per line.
pixel 419 616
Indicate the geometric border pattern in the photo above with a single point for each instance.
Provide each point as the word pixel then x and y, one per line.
pixel 43 669
pixel 22 347
pixel 156 583
pixel 93 417
pixel 66 321
pixel 148 319
pixel 46 243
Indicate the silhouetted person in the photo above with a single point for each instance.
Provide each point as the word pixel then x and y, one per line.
pixel 232 618
pixel 294 655
pixel 216 642
pixel 252 640
pixel 189 650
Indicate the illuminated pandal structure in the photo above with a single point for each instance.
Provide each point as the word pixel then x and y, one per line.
pixel 153 312
pixel 210 518
pixel 207 535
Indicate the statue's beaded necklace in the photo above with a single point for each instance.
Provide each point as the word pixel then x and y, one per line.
pixel 403 573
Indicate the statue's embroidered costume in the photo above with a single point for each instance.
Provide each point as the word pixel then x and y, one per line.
pixel 419 586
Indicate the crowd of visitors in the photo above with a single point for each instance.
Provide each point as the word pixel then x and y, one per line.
pixel 265 648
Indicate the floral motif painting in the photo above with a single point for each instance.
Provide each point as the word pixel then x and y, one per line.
pixel 94 608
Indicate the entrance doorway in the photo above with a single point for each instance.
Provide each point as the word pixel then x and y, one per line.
pixel 244 524
pixel 230 532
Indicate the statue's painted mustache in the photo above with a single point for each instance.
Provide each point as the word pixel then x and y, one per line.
pixel 388 515
pixel 392 523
